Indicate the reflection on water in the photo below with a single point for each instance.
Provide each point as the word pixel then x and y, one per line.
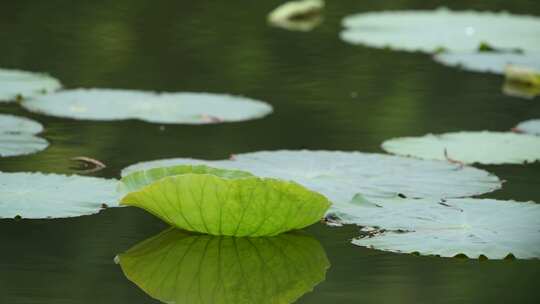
pixel 180 267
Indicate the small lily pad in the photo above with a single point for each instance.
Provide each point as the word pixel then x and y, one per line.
pixel 167 108
pixel 17 136
pixel 223 202
pixel 40 196
pixel 15 84
pixel 431 31
pixel 530 127
pixel 301 15
pixel 470 227
pixel 491 62
pixel 340 175
pixel 16 124
pixel 178 267
pixel 469 147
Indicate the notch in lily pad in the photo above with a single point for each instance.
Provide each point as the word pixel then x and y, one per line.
pixel 223 202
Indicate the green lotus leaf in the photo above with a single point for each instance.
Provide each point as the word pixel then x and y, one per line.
pixel 179 267
pixel 139 179
pixel 223 202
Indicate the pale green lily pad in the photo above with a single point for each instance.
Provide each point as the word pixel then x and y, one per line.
pixel 39 196
pixel 472 227
pixel 431 31
pixel 218 202
pixel 469 147
pixel 15 84
pixel 167 108
pixel 17 136
pixel 300 15
pixel 340 175
pixel 489 62
pixel 530 127
pixel 178 267
pixel 16 124
pixel 21 144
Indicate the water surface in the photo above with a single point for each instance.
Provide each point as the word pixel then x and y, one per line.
pixel 327 95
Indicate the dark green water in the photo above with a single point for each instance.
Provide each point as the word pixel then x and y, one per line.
pixel 310 78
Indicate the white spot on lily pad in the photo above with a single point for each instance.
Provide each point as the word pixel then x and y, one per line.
pixel 39 196
pixel 473 227
pixel 530 127
pixel 15 84
pixel 469 147
pixel 431 31
pixel 173 108
pixel 340 175
pixel 489 62
pixel 302 15
pixel 17 136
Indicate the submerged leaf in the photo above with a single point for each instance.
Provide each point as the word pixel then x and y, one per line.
pixel 179 267
pixel 472 227
pixel 218 202
pixel 15 84
pixel 530 127
pixel 38 195
pixel 429 31
pixel 469 147
pixel 17 136
pixel 341 175
pixel 174 108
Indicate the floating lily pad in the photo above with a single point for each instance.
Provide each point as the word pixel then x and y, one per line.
pixel 16 84
pixel 431 31
pixel 179 108
pixel 16 124
pixel 469 147
pixel 179 267
pixel 17 136
pixel 302 15
pixel 20 144
pixel 472 227
pixel 340 175
pixel 530 127
pixel 489 62
pixel 38 196
pixel 222 202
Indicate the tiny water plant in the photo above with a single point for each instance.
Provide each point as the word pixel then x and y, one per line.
pixel 223 202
